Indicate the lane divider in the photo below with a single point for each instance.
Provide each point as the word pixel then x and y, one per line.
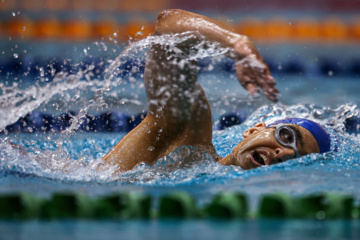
pixel 103 6
pixel 106 122
pixel 227 205
pixel 37 122
pixel 319 206
pixel 29 67
pixel 179 205
pixel 307 29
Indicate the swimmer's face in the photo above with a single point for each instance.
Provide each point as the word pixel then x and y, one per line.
pixel 260 147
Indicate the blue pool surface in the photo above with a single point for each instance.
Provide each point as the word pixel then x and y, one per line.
pixel 69 161
pixel 177 229
pixel 58 163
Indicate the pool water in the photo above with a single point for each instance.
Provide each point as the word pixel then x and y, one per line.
pixel 69 161
pixel 189 229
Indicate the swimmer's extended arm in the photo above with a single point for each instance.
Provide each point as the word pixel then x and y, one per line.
pixel 252 72
pixel 178 110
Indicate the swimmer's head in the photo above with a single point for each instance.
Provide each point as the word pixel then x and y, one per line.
pixel 278 142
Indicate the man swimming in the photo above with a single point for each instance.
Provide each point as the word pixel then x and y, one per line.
pixel 178 110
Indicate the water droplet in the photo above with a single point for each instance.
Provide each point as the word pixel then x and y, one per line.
pixel 289 23
pixel 132 118
pixel 14 14
pixel 330 73
pixel 151 148
pixel 115 34
pixel 16 55
pixel 142 28
pixel 10 38
pixel 41 70
pixel 24 28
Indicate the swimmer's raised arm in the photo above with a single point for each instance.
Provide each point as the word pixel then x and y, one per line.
pixel 252 72
pixel 178 110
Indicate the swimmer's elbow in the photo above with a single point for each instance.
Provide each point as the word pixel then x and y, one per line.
pixel 168 13
pixel 164 20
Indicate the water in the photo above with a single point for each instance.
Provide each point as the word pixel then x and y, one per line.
pixel 71 156
pixel 70 160
pixel 189 229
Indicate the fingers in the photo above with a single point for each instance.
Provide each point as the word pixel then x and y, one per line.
pixel 252 88
pixel 245 75
pixel 253 73
pixel 269 80
pixel 270 91
pixel 252 78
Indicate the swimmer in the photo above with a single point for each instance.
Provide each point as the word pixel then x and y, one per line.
pixel 179 113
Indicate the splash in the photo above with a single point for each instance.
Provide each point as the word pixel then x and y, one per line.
pixel 76 157
pixel 174 169
pixel 16 103
pixel 87 90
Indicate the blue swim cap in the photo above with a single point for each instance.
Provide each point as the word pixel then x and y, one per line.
pixel 321 136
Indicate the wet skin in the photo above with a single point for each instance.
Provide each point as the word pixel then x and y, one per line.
pixel 178 110
pixel 260 147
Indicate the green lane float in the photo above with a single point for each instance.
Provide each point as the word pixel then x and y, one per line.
pixel 177 205
pixel 67 206
pixel 227 205
pixel 123 206
pixel 20 206
pixel 316 206
pixel 180 205
pixel 339 206
pixel 277 206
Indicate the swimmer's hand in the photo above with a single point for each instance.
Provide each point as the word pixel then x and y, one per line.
pixel 252 71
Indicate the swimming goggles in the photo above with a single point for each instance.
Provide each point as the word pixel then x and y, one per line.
pixel 286 137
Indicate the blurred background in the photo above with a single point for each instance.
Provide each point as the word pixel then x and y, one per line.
pixel 327 32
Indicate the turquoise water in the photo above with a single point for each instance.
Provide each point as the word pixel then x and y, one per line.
pixel 189 229
pixel 69 161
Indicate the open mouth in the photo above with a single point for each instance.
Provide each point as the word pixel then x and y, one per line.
pixel 259 158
